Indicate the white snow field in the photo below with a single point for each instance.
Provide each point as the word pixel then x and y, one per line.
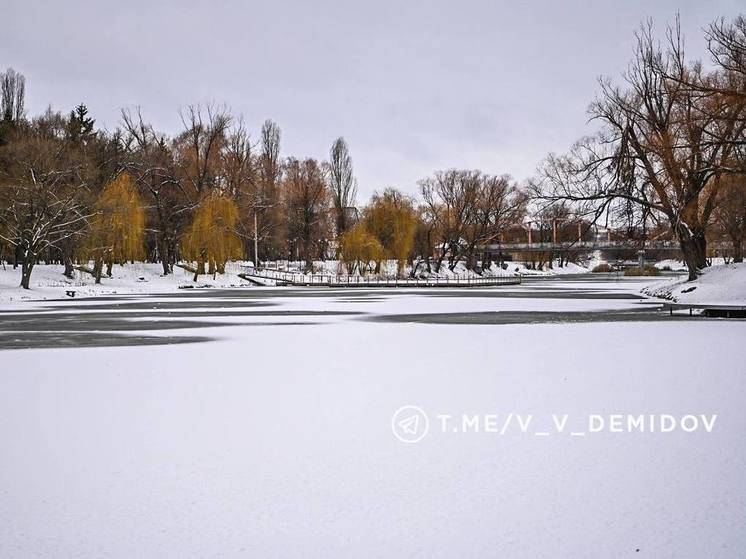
pixel 276 438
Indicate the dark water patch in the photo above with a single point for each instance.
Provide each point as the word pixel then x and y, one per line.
pixel 168 305
pixel 139 320
pixel 612 277
pixel 267 293
pixel 529 317
pixel 73 322
pixel 536 294
pixel 183 312
pixel 48 340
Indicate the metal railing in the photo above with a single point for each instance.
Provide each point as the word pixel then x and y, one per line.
pixel 590 245
pixel 333 280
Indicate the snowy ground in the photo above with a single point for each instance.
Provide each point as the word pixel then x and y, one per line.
pixel 724 284
pixel 275 439
pixel 48 281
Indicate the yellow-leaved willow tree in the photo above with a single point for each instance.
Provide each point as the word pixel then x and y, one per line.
pixel 358 249
pixel 392 219
pixel 118 226
pixel 212 237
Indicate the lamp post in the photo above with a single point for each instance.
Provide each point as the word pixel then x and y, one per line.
pixel 256 243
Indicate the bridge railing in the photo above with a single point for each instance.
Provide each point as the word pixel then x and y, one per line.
pixel 298 278
pixel 593 245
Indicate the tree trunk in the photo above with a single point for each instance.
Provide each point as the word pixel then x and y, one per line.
pixel 26 267
pixel 173 253
pixel 98 267
pixel 471 260
pixel 68 266
pixel 690 252
pixel 439 262
pixel 453 262
pixel 162 248
pixel 700 245
pixel 737 248
pixel 693 247
pixel 67 258
pixel 109 266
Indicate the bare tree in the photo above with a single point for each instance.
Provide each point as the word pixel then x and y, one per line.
pixel 306 208
pixel 727 44
pixel 450 198
pixel 44 183
pixel 267 202
pixel 663 146
pixel 198 147
pixel 499 204
pixel 12 95
pixel 342 183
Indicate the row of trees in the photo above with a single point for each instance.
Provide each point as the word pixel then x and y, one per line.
pixel 461 211
pixel 672 144
pixel 75 194
pixel 62 182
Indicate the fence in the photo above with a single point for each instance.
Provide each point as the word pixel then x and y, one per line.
pixel 333 280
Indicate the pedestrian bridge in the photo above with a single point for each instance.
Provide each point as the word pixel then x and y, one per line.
pixel 672 246
pixel 298 279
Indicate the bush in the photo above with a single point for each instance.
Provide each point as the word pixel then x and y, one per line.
pixel 602 269
pixel 646 271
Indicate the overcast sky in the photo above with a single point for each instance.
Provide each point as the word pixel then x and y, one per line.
pixel 413 86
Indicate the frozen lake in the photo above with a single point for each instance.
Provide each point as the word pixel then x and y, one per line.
pixel 258 422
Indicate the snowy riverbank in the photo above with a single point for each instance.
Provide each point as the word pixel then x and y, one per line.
pixel 48 281
pixel 718 285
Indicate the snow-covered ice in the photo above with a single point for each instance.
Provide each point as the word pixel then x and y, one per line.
pixel 275 439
